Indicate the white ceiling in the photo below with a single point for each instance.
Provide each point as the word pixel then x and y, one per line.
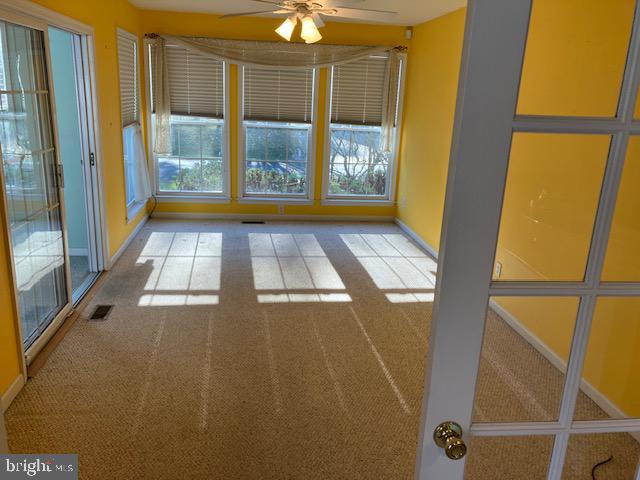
pixel 410 12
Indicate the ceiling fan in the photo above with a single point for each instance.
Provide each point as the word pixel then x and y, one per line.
pixel 311 13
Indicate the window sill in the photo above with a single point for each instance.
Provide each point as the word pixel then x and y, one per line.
pixel 193 199
pixel 134 210
pixel 275 200
pixel 357 202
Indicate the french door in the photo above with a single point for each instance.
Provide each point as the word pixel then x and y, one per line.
pixel 534 368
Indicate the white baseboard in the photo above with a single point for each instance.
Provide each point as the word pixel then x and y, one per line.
pixel 78 252
pixel 12 392
pixel 416 238
pixel 589 390
pixel 273 217
pixel 127 242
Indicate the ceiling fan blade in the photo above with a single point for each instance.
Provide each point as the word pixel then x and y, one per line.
pixel 334 3
pixel 360 14
pixel 243 14
pixel 317 19
pixel 270 2
pixel 344 7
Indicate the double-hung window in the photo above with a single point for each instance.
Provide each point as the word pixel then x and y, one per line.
pixel 358 167
pixel 134 159
pixel 196 163
pixel 277 130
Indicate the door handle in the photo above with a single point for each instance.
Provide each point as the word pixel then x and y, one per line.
pixel 60 175
pixel 448 436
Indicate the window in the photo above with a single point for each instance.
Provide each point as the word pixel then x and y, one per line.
pixel 358 165
pixel 134 161
pixel 277 132
pixel 197 163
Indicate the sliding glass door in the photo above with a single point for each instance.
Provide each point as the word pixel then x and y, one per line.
pixel 31 180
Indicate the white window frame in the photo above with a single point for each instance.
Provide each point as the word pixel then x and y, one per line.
pixel 190 197
pixel 275 198
pixel 392 173
pixel 136 206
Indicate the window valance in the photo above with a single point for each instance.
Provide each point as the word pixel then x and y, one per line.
pixel 275 54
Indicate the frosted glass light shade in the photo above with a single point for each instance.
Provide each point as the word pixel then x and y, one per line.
pixel 310 33
pixel 285 30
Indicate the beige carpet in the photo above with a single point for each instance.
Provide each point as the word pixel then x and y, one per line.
pixel 278 351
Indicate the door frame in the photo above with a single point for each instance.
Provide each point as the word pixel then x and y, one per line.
pixel 492 61
pixel 31 15
pixel 4 443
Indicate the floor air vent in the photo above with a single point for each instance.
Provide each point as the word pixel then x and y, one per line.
pixel 101 312
pixel 253 222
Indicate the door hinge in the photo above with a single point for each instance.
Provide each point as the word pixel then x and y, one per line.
pixel 92 159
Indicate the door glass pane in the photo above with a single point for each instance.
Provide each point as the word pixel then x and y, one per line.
pixel 524 354
pixel 575 57
pixel 622 262
pixel 550 203
pixel 72 155
pixel 611 374
pixel 513 458
pixel 28 162
pixel 586 451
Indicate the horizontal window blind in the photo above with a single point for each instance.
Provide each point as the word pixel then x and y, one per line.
pixel 196 83
pixel 357 91
pixel 278 95
pixel 127 65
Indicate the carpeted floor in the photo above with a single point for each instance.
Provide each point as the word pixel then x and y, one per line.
pixel 277 351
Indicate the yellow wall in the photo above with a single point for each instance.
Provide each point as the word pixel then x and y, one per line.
pixel 574 64
pixel 104 17
pixel 10 348
pixel 253 28
pixel 432 82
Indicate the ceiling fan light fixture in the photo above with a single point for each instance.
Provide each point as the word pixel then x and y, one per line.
pixel 285 30
pixel 310 32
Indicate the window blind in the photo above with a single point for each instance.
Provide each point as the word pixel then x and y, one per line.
pixel 357 91
pixel 278 95
pixel 127 65
pixel 196 83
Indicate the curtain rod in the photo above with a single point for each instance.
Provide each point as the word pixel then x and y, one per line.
pixel 399 48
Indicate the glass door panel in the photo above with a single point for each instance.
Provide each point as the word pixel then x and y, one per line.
pixel 492 458
pixel 549 208
pixel 622 262
pixel 30 184
pixel 575 70
pixel 523 360
pixel 584 452
pixel 611 372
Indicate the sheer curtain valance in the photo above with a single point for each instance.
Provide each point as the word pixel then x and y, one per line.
pixel 275 54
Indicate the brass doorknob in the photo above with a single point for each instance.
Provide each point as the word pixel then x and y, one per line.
pixel 448 435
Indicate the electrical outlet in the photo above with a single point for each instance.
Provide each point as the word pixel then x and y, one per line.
pixel 280 209
pixel 403 201
pixel 497 270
